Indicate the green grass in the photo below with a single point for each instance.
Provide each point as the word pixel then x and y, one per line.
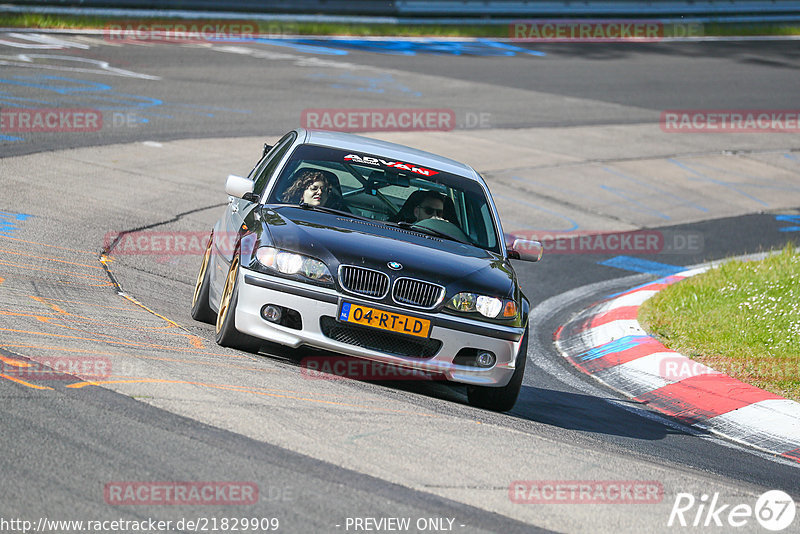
pixel 774 29
pixel 742 319
pixel 32 20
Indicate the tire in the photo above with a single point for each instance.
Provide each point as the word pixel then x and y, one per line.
pixel 503 398
pixel 201 311
pixel 226 333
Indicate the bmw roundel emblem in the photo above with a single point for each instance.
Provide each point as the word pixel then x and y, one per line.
pixel 393 265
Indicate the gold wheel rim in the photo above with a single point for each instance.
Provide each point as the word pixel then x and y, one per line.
pixel 202 273
pixel 226 293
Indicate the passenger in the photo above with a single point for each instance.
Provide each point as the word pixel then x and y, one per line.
pixel 314 187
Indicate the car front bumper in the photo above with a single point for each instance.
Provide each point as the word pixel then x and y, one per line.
pixel 313 303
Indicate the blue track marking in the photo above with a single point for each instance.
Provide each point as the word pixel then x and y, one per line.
pixel 639 265
pixel 18 101
pixel 8 221
pixel 618 345
pixel 733 186
pixel 681 201
pixel 630 201
pixel 65 92
pixel 300 46
pixel 478 47
pixel 749 184
pixel 512 48
pixel 56 84
pixel 793 219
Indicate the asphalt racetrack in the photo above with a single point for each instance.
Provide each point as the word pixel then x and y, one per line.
pixel 569 138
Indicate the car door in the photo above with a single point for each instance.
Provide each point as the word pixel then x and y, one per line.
pixel 228 228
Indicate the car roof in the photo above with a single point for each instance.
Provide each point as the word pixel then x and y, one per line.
pixel 359 144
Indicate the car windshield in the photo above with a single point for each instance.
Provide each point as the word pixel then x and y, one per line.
pixel 388 190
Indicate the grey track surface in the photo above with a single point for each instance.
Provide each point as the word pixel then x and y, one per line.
pixel 572 85
pixel 176 407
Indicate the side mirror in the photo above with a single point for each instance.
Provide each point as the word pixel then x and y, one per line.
pixel 267 148
pixel 239 187
pixel 523 249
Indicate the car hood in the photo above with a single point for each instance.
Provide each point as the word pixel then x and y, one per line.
pixel 341 239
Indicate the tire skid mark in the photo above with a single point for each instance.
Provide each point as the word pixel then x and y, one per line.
pixel 141 357
pixel 76 315
pixel 120 342
pixel 46 245
pixel 67 301
pixel 125 379
pixel 58 309
pixel 52 320
pixel 45 270
pixel 106 259
pixel 192 339
pixel 51 259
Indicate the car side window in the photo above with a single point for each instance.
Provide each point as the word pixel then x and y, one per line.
pixel 264 171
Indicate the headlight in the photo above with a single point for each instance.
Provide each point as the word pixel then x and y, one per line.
pixel 490 307
pixel 464 302
pixel 293 264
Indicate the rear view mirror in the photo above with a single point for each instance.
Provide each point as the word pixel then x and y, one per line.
pixel 397 178
pixel 379 179
pixel 523 249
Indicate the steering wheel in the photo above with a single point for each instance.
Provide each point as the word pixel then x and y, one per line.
pixel 443 227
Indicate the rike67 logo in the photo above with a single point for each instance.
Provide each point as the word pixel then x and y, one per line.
pixel 774 511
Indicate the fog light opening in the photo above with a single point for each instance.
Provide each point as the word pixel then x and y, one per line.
pixel 272 313
pixel 484 359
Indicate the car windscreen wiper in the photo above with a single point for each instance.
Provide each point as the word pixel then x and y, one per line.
pixel 430 231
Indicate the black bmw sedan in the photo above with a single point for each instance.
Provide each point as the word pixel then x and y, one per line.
pixel 372 250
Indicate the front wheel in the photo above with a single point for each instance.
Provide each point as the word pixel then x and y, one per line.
pixel 201 311
pixel 226 333
pixel 501 399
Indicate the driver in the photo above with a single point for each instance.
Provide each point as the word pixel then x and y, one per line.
pixel 424 204
pixel 430 206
